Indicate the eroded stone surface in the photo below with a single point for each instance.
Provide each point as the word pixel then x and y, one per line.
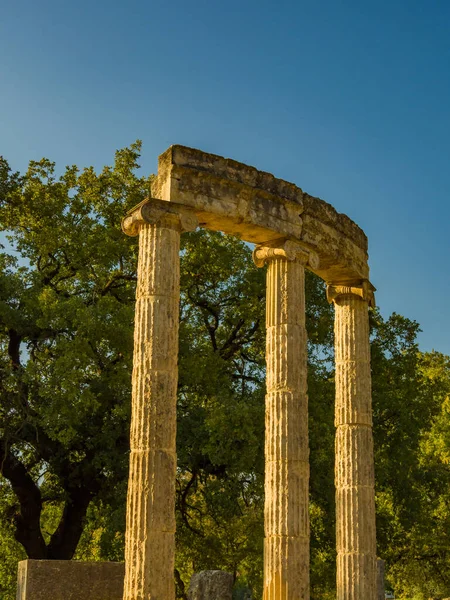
pixel 354 471
pixel 256 206
pixel 286 515
pixel 150 526
pixel 211 585
pixel 69 580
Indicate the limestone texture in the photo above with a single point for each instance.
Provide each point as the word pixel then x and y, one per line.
pixel 238 199
pixel 69 580
pixel 354 469
pixel 211 585
pixel 150 524
pixel 286 511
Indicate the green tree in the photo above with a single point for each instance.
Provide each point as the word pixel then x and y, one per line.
pixel 66 313
pixel 414 486
pixel 67 284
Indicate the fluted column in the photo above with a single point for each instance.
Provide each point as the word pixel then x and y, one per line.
pixel 354 468
pixel 150 523
pixel 286 511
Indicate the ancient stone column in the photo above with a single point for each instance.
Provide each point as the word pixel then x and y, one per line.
pixel 150 524
pixel 286 511
pixel 354 469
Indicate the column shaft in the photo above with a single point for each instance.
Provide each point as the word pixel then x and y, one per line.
pixel 286 515
pixel 150 526
pixel 354 470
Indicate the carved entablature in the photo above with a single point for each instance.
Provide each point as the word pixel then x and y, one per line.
pixel 259 208
pixel 287 250
pixel 364 290
pixel 161 212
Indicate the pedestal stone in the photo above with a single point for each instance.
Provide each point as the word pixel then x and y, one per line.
pixel 69 580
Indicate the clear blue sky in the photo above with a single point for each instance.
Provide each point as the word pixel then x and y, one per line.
pixel 350 100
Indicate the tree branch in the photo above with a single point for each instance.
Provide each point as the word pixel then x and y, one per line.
pixel 27 522
pixel 14 349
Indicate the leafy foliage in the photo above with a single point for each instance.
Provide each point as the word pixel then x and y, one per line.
pixel 66 313
pixel 67 284
pixel 414 481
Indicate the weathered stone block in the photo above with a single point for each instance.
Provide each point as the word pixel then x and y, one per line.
pixel 211 585
pixel 257 207
pixel 69 580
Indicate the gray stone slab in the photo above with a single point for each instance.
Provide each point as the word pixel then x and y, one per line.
pixel 211 585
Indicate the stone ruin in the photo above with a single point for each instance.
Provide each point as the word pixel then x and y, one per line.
pixel 292 232
pixel 211 585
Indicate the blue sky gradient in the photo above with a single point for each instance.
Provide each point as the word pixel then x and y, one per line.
pixel 349 100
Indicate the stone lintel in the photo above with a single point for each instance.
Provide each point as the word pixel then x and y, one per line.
pixel 259 208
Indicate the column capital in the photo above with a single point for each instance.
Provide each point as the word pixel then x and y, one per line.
pixel 286 249
pixel 362 289
pixel 159 212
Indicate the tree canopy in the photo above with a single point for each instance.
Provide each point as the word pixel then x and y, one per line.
pixel 67 284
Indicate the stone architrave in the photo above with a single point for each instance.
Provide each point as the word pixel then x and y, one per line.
pixel 150 525
pixel 286 512
pixel 354 468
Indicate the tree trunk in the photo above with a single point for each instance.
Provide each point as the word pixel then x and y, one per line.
pixel 27 521
pixel 64 540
